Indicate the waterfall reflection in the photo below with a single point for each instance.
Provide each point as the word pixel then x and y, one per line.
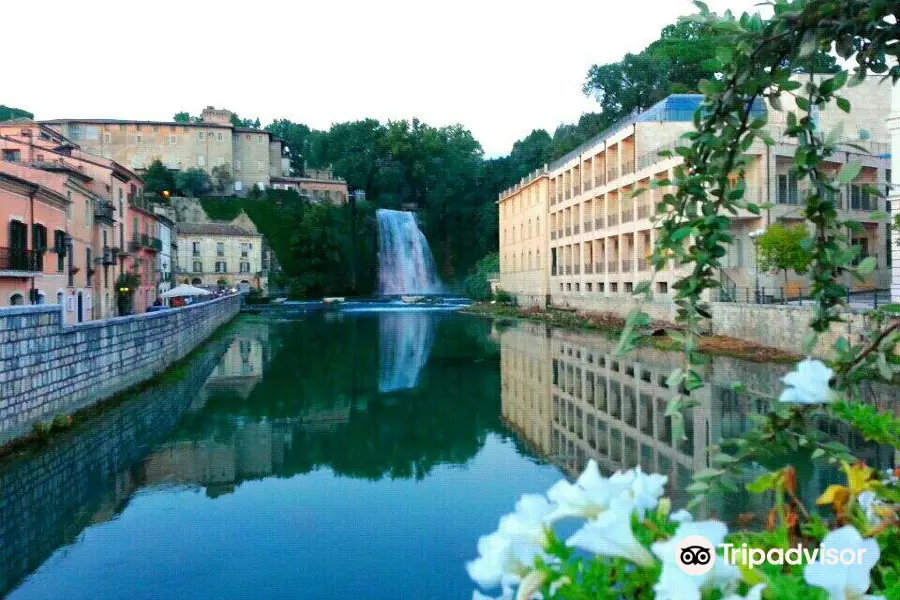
pixel 405 340
pixel 570 398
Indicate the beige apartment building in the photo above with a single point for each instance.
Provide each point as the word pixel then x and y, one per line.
pixel 597 237
pixel 252 156
pixel 214 252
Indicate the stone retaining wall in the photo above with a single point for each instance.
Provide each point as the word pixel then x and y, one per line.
pixel 48 368
pixel 783 327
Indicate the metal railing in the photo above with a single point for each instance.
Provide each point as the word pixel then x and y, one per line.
pixel 643 264
pixel 612 266
pixel 643 211
pixel 599 180
pixel 21 260
pixel 588 225
pixel 798 296
pixel 568 231
pixel 568 269
pixel 627 265
pixel 598 223
pixel 576 229
pixel 104 211
pixel 588 269
pixel 627 167
pixel 612 173
pixel 612 220
pixel 588 184
pixel 627 215
pixel 599 268
pixel 577 269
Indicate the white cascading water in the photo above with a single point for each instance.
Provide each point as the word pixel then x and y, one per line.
pixel 405 340
pixel 405 263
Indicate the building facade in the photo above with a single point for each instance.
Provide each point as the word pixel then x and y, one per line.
pixel 598 237
pixel 217 254
pixel 250 156
pixel 319 185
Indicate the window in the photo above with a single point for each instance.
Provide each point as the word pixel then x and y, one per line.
pixel 201 135
pixel 220 267
pixel 237 165
pixel 88 212
pixel 662 287
pixel 12 155
pixel 89 267
pixel 39 237
pixel 259 165
pixel 245 267
pixel 59 246
pixel 198 266
pixel 195 248
pixel 173 128
pixel 220 136
pixel 787 189
pixel 245 249
pixel 201 161
pixel 139 139
pixel 860 199
pixel 107 138
pixel 40 158
pixel 173 140
pixel 16 300
pixel 220 249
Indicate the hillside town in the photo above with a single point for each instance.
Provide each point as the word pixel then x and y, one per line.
pixel 83 233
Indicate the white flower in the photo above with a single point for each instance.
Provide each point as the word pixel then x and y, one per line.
pixel 808 384
pixel 755 593
pixel 844 582
pixel 502 561
pixel 643 488
pixel 869 502
pixel 610 534
pixel 592 493
pixel 530 585
pixel 529 521
pixel 675 584
pixel 681 516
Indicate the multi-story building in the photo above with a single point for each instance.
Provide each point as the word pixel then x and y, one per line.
pixel 221 254
pixel 115 203
pixel 598 236
pixel 251 156
pixel 318 185
pixel 165 258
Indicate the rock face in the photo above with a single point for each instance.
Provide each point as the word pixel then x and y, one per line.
pixel 48 369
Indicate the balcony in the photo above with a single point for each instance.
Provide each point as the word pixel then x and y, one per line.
pixel 19 262
pixel 568 231
pixel 627 265
pixel 612 174
pixel 568 269
pixel 599 268
pixel 145 241
pixel 627 215
pixel 576 189
pixel 598 223
pixel 588 184
pixel 104 212
pixel 576 229
pixel 643 211
pixel 599 180
pixel 643 264
pixel 588 269
pixel 627 167
pixel 612 266
pixel 577 269
pixel 588 226
pixel 612 220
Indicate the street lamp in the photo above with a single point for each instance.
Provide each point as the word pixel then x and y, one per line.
pixel 754 235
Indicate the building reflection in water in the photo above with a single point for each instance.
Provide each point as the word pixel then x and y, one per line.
pixel 571 399
pixel 405 341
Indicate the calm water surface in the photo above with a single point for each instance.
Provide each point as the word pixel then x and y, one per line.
pixel 348 455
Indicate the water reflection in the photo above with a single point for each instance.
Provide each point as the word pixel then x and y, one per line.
pixel 571 399
pixel 405 340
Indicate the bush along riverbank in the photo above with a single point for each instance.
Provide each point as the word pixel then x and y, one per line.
pixel 613 325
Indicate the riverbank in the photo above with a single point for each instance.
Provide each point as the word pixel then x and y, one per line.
pixel 613 325
pixel 49 370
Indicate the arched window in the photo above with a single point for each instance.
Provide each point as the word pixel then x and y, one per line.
pixel 17 300
pixel 538 259
pixel 538 223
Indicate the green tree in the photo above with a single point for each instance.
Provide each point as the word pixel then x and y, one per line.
pixel 477 285
pixel 8 113
pixel 781 249
pixel 239 122
pixel 193 182
pixel 301 143
pixel 185 117
pixel 222 179
pixel 158 179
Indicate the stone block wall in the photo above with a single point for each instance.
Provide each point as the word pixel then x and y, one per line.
pixel 48 368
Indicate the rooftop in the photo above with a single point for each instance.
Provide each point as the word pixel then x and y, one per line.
pixel 211 229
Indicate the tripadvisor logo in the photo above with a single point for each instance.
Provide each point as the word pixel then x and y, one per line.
pixel 696 555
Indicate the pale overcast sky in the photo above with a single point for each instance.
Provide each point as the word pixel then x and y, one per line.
pixel 501 68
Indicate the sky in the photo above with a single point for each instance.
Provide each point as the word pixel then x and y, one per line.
pixel 500 68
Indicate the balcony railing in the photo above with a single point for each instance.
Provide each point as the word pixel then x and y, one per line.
pixel 145 241
pixel 599 268
pixel 552 235
pixel 588 184
pixel 576 189
pixel 568 231
pixel 588 226
pixel 598 223
pixel 643 211
pixel 643 264
pixel 588 269
pixel 599 180
pixel 612 174
pixel 612 220
pixel 627 167
pixel 20 260
pixel 104 211
pixel 627 215
pixel 568 269
pixel 568 194
pixel 627 265
pixel 576 229
pixel 577 269
pixel 612 266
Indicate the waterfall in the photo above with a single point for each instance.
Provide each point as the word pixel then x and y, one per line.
pixel 405 262
pixel 404 342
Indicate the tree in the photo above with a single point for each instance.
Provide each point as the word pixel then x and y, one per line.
pixel 781 249
pixel 185 117
pixel 222 179
pixel 158 179
pixel 300 141
pixel 8 113
pixel 239 122
pixel 192 182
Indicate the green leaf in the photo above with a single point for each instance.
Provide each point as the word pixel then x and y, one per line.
pixel 849 172
pixel 891 308
pixel 762 483
pixel 725 54
pixel 698 487
pixel 818 453
pixel 843 104
pixel 682 233
pixel 867 265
